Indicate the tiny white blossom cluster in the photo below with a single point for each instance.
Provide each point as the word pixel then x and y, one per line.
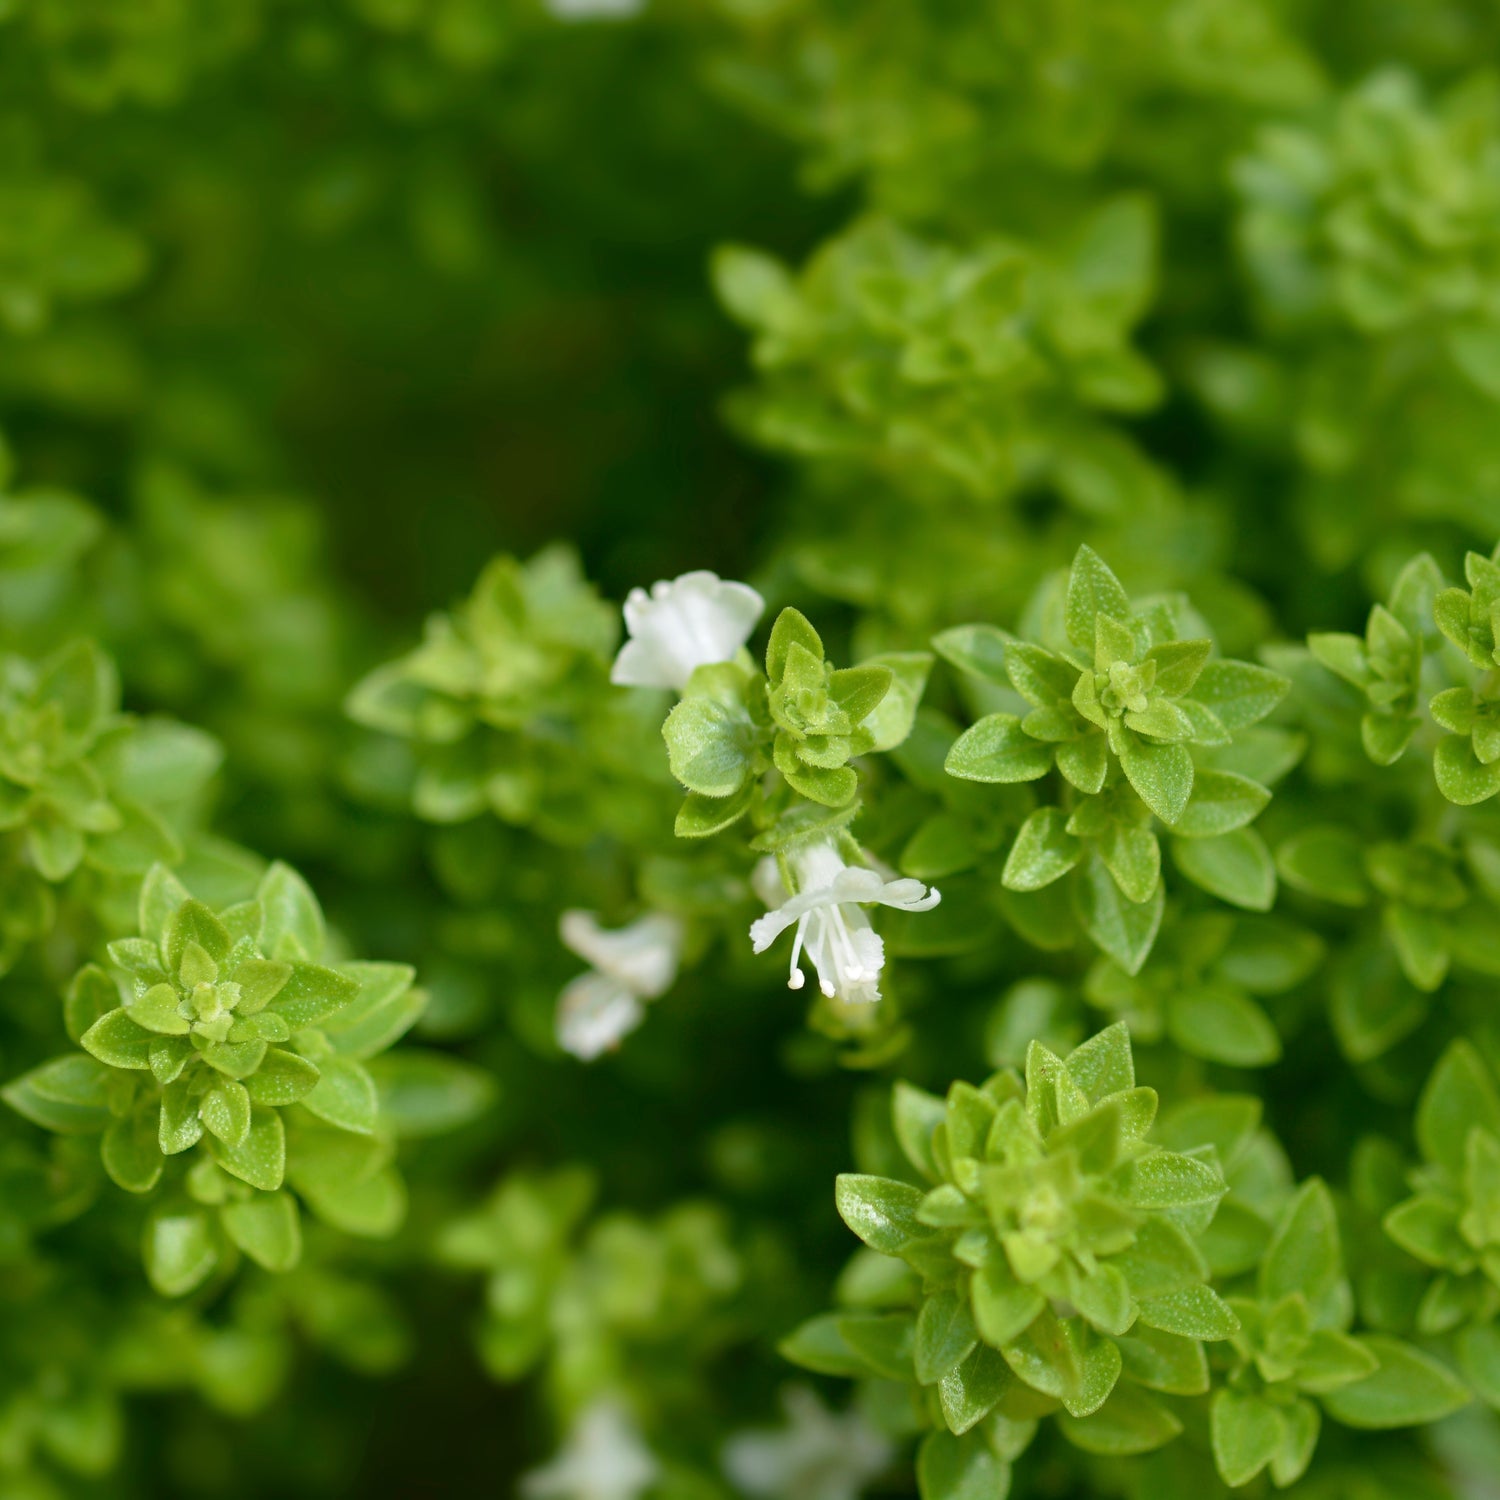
pixel 845 950
pixel 694 621
pixel 818 1455
pixel 628 966
pixel 603 1458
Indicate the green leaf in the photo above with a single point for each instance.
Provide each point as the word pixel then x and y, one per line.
pixel 312 993
pixel 1478 1350
pixel 180 1250
pixel 1459 1095
pixel 1304 1257
pixel 116 1040
pixel 425 1093
pixel 291 920
pixel 283 1077
pixel 996 749
pixel 710 746
pixel 969 1392
pixel 1239 693
pixel 1092 590
pixel 157 1009
pixel 1410 1389
pixel 267 1228
pixel 1461 776
pixel 383 1010
pixel 1236 867
pixel 979 650
pixel 960 1468
pixel 1220 803
pixel 1194 1312
pixel 1125 930
pixel 1171 1179
pixel 1222 1024
pixel 162 896
pixel 1103 1065
pixel 1162 775
pixel 1130 1422
pixel 1325 862
pixel 701 817
pixel 792 628
pixel 1003 1307
pixel 260 1159
pixel 69 1095
pixel 179 1128
pixel 883 1213
pixel 344 1095
pixel 91 996
pixel 915 1114
pixel 1044 851
pixel 130 1153
pixel 945 1336
pixel 890 722
pixel 193 922
pixel 1246 1432
pixel 225 1112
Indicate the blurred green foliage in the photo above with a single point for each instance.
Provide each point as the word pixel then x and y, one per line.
pixel 1101 396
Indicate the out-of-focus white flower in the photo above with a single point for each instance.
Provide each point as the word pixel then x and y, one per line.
pixel 595 10
pixel 629 965
pixel 845 950
pixel 692 621
pixel 818 1455
pixel 603 1458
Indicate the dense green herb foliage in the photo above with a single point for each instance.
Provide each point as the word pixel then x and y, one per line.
pixel 1099 402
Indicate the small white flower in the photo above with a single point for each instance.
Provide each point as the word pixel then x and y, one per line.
pixel 595 10
pixel 629 965
pixel 693 621
pixel 603 1458
pixel 818 1455
pixel 845 950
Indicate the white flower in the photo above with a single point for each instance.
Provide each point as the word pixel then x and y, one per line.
pixel 629 965
pixel 592 10
pixel 602 1459
pixel 691 622
pixel 817 1456
pixel 845 950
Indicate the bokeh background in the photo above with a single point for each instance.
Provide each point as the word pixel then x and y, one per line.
pixel 309 307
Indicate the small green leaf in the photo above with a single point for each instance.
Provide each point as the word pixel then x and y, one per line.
pixel 69 1095
pixel 115 1039
pixel 1239 693
pixel 1092 590
pixel 1220 803
pixel 1246 1433
pixel 344 1095
pixel 960 1468
pixel 1162 775
pixel 1459 1095
pixel 180 1250
pixel 225 1112
pixel 130 1153
pixel 1461 776
pixel 978 650
pixel 945 1336
pixel 1304 1257
pixel 883 1213
pixel 267 1228
pixel 709 746
pixel 260 1159
pixel 1125 930
pixel 1236 867
pixel 283 1077
pixel 1222 1024
pixel 1410 1389
pixel 1044 851
pixel 291 919
pixel 792 628
pixel 1130 1422
pixel 996 749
